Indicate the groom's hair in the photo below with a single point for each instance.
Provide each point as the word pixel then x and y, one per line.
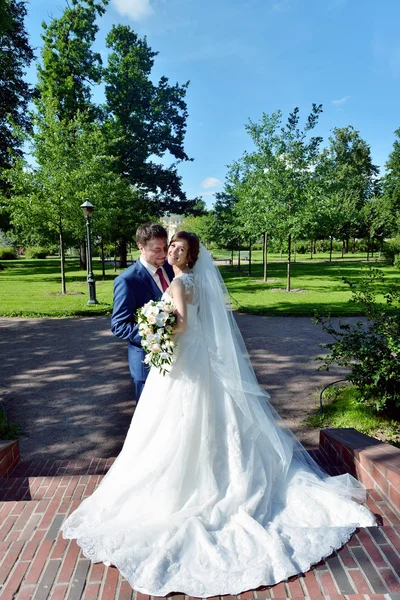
pixel 148 231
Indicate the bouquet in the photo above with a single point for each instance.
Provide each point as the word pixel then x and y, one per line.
pixel 156 321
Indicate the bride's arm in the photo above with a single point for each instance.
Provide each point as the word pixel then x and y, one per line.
pixel 177 291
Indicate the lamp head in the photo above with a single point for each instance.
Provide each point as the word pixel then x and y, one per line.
pixel 87 208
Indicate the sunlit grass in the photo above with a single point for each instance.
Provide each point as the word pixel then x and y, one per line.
pixel 342 409
pixel 32 287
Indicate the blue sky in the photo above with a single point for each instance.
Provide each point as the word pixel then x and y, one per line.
pixel 246 57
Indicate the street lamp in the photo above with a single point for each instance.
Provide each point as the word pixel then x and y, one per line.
pixel 87 208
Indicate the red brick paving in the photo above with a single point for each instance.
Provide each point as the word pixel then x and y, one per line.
pixel 31 566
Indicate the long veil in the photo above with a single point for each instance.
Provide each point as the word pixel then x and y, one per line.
pixel 230 361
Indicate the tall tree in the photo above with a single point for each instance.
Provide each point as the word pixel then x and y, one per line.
pixel 391 187
pixel 349 176
pixel 69 65
pixel 147 119
pixel 284 158
pixel 72 164
pixel 15 93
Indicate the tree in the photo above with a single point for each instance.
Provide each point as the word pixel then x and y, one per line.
pixel 69 65
pixel 284 160
pixel 391 188
pixel 15 57
pixel 203 227
pixel 349 177
pixel 73 164
pixel 148 120
pixel 228 232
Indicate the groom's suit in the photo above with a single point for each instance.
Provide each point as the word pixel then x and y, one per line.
pixel 132 289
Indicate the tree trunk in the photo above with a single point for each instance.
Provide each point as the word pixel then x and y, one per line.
pixel 354 245
pixel 62 259
pixel 288 262
pixel 239 259
pixel 311 250
pixel 330 248
pixel 315 246
pixel 123 252
pixel 372 247
pixel 83 256
pixel 115 258
pixel 232 257
pixel 250 258
pixel 342 248
pixel 103 263
pixel 347 244
pixel 265 255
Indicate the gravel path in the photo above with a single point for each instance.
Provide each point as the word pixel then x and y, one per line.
pixel 66 381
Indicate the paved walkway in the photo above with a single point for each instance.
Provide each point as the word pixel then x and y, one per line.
pixel 66 381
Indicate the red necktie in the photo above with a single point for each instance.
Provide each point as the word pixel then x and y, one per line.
pixel 163 281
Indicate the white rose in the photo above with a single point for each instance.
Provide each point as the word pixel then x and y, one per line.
pixel 155 348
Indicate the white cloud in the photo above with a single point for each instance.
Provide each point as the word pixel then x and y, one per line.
pixel 134 9
pixel 210 182
pixel 341 101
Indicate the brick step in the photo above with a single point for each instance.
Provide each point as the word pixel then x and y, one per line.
pixel 42 488
pixel 91 466
pixel 36 562
pixel 374 463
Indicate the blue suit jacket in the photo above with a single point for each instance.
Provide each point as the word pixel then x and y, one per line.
pixel 132 289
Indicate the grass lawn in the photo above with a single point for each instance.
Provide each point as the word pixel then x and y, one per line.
pixel 317 285
pixel 342 409
pixel 31 288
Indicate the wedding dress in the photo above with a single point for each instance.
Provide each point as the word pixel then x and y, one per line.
pixel 210 494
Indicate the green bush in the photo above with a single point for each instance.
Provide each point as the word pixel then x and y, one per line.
pixel 36 252
pixel 302 247
pixel 371 349
pixel 391 252
pixel 8 431
pixel 8 254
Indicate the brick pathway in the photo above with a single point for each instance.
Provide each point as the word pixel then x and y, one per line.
pixel 35 562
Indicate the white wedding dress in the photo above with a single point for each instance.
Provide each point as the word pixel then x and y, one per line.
pixel 209 494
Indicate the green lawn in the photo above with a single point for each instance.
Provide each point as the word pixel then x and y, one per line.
pixel 342 408
pixel 31 288
pixel 317 285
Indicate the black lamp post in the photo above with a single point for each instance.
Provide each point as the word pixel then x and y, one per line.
pixel 87 208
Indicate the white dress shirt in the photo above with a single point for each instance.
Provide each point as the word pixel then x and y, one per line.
pixel 152 270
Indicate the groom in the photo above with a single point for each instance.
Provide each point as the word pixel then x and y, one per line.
pixel 146 280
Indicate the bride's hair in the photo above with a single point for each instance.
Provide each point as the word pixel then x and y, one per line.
pixel 193 242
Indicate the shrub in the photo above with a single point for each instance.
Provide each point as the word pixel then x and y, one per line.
pixel 391 251
pixel 8 431
pixel 35 252
pixel 7 254
pixel 302 247
pixel 371 349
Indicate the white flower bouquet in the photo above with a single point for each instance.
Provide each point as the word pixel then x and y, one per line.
pixel 156 321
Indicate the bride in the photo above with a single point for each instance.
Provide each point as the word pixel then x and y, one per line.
pixel 210 495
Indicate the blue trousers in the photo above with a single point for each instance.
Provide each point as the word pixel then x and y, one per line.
pixel 138 370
